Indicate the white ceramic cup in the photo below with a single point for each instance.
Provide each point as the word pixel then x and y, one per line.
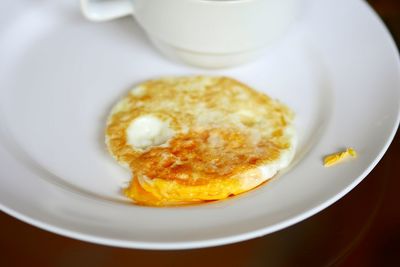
pixel 205 33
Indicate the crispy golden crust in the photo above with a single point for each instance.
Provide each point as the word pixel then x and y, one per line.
pixel 222 128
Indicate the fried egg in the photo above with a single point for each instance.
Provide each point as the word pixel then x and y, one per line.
pixel 194 139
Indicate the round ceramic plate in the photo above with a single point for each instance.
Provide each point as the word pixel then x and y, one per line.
pixel 59 76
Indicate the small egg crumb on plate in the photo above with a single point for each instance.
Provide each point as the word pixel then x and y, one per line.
pixel 195 139
pixel 338 157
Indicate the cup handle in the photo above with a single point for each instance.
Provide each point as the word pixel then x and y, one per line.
pixel 100 10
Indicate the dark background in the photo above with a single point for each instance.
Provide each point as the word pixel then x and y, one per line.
pixel 361 229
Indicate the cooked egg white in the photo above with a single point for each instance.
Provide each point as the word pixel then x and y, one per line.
pixel 195 139
pixel 146 131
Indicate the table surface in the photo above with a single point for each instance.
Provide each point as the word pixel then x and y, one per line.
pixel 361 229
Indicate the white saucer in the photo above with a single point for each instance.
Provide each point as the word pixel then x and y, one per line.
pixel 60 74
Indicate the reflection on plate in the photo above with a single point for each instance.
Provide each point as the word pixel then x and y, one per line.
pixel 60 75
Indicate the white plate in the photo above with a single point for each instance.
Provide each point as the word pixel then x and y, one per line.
pixel 60 74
